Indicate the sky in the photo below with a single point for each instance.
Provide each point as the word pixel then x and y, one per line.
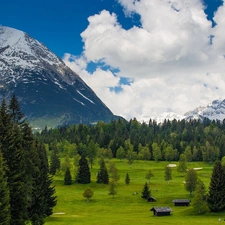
pixel 141 57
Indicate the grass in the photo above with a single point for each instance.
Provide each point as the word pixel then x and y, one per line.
pixel 126 208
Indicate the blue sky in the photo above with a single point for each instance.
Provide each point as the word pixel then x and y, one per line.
pixel 140 57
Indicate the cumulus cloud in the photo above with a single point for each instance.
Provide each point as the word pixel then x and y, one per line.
pixel 175 59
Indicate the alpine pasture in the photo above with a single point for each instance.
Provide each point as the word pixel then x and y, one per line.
pixel 127 207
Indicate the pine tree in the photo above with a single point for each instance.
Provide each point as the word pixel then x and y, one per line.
pixel 102 176
pixel 199 201
pixel 4 195
pixel 14 110
pixel 127 179
pixel 55 161
pixel 11 141
pixel 146 192
pixel 84 175
pixel 67 177
pixel 216 197
pixel 43 193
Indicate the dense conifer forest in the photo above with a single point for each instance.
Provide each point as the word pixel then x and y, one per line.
pixel 198 140
pixel 26 191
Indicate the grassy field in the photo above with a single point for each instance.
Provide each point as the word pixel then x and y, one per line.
pixel 128 209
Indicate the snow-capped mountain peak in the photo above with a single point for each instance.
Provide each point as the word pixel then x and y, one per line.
pixel 45 86
pixel 213 111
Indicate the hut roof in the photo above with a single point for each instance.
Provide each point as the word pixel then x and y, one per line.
pixel 161 209
pixel 181 200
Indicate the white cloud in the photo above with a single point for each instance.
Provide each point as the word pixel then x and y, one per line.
pixel 169 58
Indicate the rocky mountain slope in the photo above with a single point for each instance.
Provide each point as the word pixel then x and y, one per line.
pixel 49 92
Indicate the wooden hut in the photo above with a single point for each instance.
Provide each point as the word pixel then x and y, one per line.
pixel 161 211
pixel 181 202
pixel 151 199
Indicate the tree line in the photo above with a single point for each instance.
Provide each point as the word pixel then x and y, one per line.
pixel 198 140
pixel 26 191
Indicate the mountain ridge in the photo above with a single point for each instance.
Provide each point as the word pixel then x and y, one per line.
pixel 213 111
pixel 46 88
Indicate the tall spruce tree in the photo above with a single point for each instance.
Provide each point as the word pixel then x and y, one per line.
pixel 145 192
pixel 127 179
pixel 13 154
pixel 55 161
pixel 4 195
pixel 102 176
pixel 83 175
pixel 30 187
pixel 216 197
pixel 67 177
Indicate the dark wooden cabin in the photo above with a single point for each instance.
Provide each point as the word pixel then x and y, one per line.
pixel 151 199
pixel 161 211
pixel 181 202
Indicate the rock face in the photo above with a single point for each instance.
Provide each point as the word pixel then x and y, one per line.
pixel 49 92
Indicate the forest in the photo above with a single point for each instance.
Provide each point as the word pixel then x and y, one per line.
pixel 198 140
pixel 27 195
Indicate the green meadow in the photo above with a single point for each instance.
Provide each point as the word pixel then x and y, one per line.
pixel 126 208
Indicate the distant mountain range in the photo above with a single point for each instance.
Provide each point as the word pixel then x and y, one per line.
pixel 49 92
pixel 213 111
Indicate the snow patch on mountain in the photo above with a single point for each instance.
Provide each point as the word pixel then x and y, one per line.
pixel 213 111
pixel 85 97
pixel 162 117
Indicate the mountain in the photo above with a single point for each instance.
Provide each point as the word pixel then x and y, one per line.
pixel 162 117
pixel 167 116
pixel 49 92
pixel 213 111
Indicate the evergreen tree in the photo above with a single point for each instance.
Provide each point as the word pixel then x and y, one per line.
pixel 127 179
pixel 67 177
pixel 14 110
pixel 102 176
pixel 84 175
pixel 191 181
pixel 216 197
pixel 43 195
pixel 146 192
pixel 4 195
pixel 15 162
pixel 199 201
pixel 55 162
